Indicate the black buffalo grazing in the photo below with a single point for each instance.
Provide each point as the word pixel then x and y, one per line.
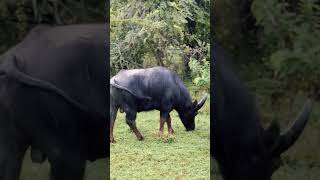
pixel 243 149
pixel 157 88
pixel 53 99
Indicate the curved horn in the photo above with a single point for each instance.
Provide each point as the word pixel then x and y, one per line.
pixel 201 103
pixel 287 139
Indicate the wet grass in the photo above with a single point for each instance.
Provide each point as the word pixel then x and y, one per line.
pixel 34 171
pixel 184 155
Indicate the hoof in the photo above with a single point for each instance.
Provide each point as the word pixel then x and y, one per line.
pixel 112 140
pixel 160 133
pixel 140 138
pixel 171 131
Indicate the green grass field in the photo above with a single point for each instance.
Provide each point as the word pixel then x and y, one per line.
pixel 184 155
pixel 302 160
pixel 34 171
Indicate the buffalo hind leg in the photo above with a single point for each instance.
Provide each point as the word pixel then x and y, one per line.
pixel 113 116
pixel 131 121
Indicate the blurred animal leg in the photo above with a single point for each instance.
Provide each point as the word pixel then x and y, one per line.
pixel 11 156
pixel 113 116
pixel 67 164
pixel 170 129
pixel 162 122
pixel 131 121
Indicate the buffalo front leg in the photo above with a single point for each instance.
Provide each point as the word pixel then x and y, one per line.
pixel 170 129
pixel 131 121
pixel 162 122
pixel 165 118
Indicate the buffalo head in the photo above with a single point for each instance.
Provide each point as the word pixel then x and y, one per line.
pixel 190 113
pixel 262 159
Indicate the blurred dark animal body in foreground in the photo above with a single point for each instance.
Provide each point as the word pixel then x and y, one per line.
pixel 243 148
pixel 157 88
pixel 52 98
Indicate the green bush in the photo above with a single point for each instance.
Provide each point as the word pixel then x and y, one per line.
pixel 150 33
pixel 289 37
pixel 200 73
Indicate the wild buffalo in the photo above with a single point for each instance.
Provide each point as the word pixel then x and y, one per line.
pixel 53 99
pixel 157 88
pixel 243 149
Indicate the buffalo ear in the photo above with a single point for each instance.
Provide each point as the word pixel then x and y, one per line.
pixel 271 134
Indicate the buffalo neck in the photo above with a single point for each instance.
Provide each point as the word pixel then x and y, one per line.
pixel 182 101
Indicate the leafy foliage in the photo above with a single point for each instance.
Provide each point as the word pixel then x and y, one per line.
pixel 290 41
pixel 17 17
pixel 149 33
pixel 281 67
pixel 276 40
pixel 200 73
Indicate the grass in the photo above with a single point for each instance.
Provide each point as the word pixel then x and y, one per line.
pixel 184 155
pixel 34 171
pixel 302 160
